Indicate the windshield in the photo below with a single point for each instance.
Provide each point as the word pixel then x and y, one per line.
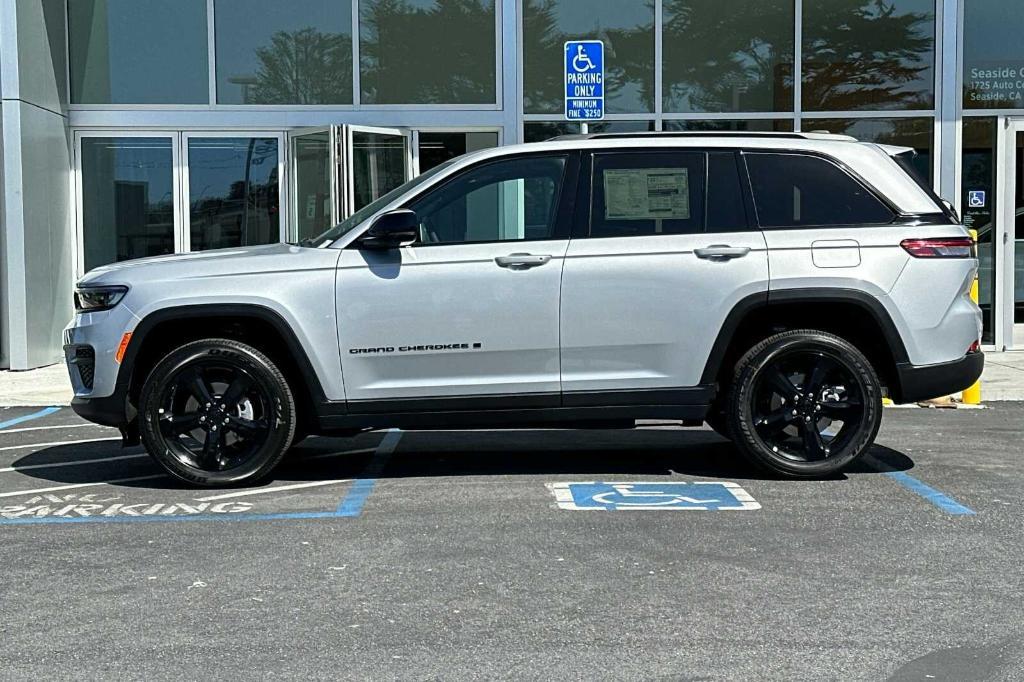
pixel 365 212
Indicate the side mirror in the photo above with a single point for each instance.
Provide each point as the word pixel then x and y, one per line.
pixel 391 230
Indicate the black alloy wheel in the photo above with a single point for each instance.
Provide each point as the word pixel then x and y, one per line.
pixel 805 403
pixel 217 412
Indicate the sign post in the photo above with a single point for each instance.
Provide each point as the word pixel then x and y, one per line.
pixel 584 80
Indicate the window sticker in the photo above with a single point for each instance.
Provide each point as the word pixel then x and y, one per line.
pixel 647 194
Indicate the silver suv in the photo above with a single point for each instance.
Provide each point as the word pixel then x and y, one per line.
pixel 776 286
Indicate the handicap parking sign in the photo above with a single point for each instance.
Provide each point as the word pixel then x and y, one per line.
pixel 976 198
pixel 584 80
pixel 640 495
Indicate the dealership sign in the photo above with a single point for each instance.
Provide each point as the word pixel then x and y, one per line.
pixel 584 80
pixel 995 83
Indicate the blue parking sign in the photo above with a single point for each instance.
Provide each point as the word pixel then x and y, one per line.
pixel 584 80
pixel 642 495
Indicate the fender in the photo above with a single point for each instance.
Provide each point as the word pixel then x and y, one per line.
pixel 766 299
pixel 207 310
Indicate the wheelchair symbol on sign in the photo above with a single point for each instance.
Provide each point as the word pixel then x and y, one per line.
pixel 623 495
pixel 581 62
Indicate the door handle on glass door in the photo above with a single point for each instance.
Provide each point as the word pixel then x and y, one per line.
pixel 521 261
pixel 721 252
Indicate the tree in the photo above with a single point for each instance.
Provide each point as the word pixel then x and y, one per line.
pixel 304 67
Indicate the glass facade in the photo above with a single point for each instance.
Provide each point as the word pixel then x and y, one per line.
pixel 456 65
pixel 868 54
pixel 269 52
pixel 993 63
pixel 625 26
pixel 119 51
pixel 728 56
pixel 899 132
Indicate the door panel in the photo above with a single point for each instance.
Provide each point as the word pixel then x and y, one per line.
pixel 377 160
pixel 430 321
pixel 644 312
pixel 313 181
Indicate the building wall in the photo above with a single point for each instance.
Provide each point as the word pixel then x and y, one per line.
pixel 36 249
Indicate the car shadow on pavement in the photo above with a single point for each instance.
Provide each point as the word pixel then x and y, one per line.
pixel 587 454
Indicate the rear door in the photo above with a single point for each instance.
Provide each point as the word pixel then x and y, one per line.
pixel 654 267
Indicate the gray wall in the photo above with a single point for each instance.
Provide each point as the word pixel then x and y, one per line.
pixel 36 235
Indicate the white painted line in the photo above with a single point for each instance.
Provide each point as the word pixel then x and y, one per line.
pixel 56 442
pixel 276 489
pixel 59 426
pixel 56 465
pixel 18 493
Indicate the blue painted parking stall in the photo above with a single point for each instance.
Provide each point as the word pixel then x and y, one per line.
pixel 653 496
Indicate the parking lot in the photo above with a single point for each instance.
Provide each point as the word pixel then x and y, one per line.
pixel 444 555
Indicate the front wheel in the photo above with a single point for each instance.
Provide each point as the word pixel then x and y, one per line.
pixel 804 403
pixel 217 412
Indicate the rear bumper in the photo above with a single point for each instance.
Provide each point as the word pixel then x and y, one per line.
pixel 923 382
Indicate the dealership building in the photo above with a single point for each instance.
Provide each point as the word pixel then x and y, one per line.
pixel 134 128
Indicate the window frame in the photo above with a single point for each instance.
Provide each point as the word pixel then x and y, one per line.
pixel 582 221
pixel 565 203
pixel 839 165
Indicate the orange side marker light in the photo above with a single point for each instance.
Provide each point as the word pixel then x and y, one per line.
pixel 122 347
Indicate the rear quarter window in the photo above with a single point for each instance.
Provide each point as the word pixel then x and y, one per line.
pixel 797 190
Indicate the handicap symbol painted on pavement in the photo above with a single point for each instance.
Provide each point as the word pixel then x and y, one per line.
pixel 639 495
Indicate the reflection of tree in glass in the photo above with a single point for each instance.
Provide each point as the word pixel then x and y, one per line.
pixel 304 67
pixel 444 54
pixel 720 58
pixel 866 54
pixel 629 61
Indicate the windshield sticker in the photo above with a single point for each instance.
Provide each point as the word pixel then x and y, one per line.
pixel 647 194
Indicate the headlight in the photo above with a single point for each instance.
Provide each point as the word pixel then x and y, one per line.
pixel 92 299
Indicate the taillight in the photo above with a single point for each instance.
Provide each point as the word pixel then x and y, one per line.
pixel 974 347
pixel 955 247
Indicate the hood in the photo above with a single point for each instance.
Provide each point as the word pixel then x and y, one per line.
pixel 241 261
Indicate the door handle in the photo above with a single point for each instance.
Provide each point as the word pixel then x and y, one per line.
pixel 721 252
pixel 521 261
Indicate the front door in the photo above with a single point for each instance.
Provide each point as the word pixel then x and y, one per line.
pixel 466 318
pixel 650 278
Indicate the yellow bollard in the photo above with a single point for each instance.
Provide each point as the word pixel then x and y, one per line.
pixel 972 394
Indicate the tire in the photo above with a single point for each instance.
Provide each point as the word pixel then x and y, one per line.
pixel 205 442
pixel 804 404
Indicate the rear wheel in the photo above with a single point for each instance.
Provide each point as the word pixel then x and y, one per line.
pixel 217 412
pixel 804 403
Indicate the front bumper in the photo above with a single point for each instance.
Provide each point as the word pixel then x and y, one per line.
pixel 924 382
pixel 110 411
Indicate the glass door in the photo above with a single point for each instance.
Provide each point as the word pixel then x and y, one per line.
pixel 377 160
pixel 126 190
pixel 1015 229
pixel 314 181
pixel 231 184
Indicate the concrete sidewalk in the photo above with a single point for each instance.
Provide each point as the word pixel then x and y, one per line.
pixel 1003 380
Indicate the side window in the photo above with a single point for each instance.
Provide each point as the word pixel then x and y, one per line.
pixel 794 190
pixel 506 200
pixel 640 193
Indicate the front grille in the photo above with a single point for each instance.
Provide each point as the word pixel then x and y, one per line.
pixel 85 361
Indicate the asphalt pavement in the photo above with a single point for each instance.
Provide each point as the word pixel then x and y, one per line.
pixel 641 554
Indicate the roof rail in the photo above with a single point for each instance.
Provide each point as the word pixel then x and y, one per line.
pixel 694 133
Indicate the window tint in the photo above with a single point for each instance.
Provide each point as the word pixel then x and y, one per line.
pixel 725 195
pixel 510 200
pixel 793 190
pixel 647 193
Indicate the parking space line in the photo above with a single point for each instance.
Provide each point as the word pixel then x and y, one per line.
pixel 275 489
pixel 353 503
pixel 60 426
pixel 56 442
pixel 928 493
pixel 55 465
pixel 19 493
pixel 29 417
